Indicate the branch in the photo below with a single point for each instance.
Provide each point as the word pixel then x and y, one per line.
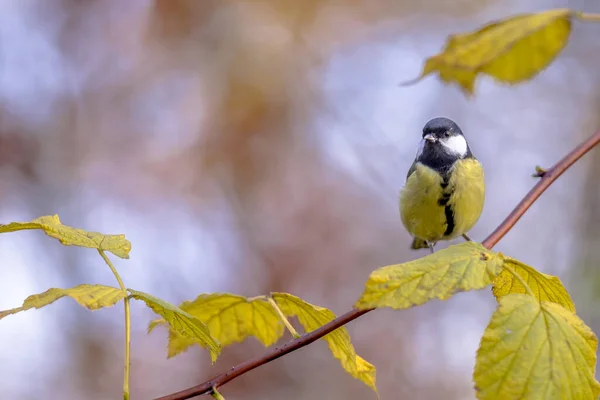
pixel 547 177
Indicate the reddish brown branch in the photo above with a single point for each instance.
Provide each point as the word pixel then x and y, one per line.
pixel 547 177
pixel 271 355
pixel 545 181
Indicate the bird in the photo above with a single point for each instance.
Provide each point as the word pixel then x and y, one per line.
pixel 444 192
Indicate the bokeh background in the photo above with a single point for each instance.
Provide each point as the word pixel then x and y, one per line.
pixel 251 146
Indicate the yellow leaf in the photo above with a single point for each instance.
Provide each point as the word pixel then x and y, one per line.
pixel 312 317
pixel 183 323
pixel 462 267
pixel 544 287
pixel 91 297
pixel 51 225
pixel 464 78
pixel 512 50
pixel 230 319
pixel 532 350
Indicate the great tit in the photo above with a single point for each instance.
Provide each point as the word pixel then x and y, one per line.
pixel 445 190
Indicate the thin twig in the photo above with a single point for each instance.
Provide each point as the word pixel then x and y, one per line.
pixel 271 355
pixel 549 176
pixel 544 182
pixel 127 327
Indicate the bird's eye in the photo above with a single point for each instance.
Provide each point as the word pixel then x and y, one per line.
pixel 446 134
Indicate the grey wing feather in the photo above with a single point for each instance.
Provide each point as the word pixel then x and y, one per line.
pixel 412 169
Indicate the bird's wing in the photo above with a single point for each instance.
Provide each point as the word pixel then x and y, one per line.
pixel 412 169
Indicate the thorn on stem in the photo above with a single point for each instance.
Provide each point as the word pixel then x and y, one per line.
pixel 410 82
pixel 539 172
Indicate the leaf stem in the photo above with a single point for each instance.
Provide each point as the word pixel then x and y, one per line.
pixel 286 322
pixel 518 277
pixel 588 17
pixel 127 372
pixel 216 395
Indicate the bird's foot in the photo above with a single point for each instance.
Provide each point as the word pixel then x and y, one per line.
pixel 430 245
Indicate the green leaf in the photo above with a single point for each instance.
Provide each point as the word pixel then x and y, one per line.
pixel 68 236
pixel 230 318
pixel 312 317
pixel 180 321
pixel 462 267
pixel 533 350
pixel 544 287
pixel 512 50
pixel 91 297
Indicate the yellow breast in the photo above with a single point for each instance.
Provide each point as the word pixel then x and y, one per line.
pixel 433 208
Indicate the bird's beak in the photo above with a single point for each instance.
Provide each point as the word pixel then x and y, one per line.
pixel 429 137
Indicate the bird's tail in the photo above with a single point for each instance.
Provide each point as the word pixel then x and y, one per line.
pixel 419 244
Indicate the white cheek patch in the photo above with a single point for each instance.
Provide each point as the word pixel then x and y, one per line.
pixel 456 145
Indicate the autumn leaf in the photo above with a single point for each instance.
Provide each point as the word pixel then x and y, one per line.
pixel 230 318
pixel 533 350
pixel 462 267
pixel 511 51
pixel 91 297
pixel 180 321
pixel 68 236
pixel 544 287
pixel 312 317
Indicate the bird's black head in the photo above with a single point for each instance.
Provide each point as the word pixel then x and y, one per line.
pixel 443 143
pixel 441 127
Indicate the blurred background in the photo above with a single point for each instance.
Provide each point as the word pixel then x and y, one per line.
pixel 251 146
